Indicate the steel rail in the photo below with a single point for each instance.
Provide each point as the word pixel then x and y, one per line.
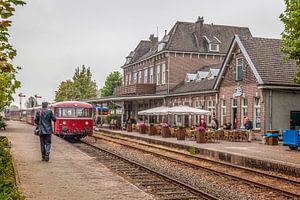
pixel 278 190
pixel 192 189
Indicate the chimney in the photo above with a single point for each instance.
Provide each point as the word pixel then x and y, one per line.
pixel 199 30
pixel 153 39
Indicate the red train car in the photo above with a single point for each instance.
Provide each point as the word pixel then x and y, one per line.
pixel 74 118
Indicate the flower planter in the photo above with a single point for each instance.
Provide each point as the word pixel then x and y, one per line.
pixel 200 137
pixel 129 128
pixel 142 129
pixel 152 130
pixel 166 132
pixel 180 135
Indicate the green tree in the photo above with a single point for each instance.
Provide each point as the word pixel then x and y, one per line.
pixel 80 87
pixel 8 82
pixel 84 86
pixel 31 102
pixel 113 80
pixel 291 34
pixel 65 91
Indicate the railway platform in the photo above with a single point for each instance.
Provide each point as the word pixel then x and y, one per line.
pixel 254 155
pixel 70 173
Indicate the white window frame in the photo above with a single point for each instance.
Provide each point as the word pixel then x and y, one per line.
pixel 211 106
pixel 239 65
pixel 129 79
pixel 244 110
pixel 163 78
pixel 139 77
pixel 158 75
pixel 146 76
pixel 257 115
pixel 151 75
pixel 135 74
pixel 216 45
pixel 223 111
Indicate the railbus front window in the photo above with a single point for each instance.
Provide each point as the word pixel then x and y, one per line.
pixel 83 112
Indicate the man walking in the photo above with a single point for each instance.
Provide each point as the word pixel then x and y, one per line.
pixel 43 119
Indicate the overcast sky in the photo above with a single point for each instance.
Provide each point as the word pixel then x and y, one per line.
pixel 53 37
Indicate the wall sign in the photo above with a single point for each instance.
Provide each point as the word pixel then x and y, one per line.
pixel 238 91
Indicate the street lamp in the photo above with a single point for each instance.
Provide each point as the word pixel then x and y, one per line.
pixel 36 97
pixel 21 95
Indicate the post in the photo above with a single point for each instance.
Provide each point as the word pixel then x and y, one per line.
pixel 101 115
pixel 36 97
pixel 21 95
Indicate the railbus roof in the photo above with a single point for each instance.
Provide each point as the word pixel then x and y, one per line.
pixel 71 104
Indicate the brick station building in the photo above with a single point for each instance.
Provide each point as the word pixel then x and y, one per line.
pixel 214 67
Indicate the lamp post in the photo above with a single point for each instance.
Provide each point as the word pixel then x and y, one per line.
pixel 21 95
pixel 36 97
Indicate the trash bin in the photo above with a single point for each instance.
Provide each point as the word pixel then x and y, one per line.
pixel 272 137
pixel 291 138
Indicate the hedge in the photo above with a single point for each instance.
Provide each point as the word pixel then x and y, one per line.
pixel 8 189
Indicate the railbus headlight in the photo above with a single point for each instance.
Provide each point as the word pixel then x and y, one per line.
pixel 64 122
pixel 86 123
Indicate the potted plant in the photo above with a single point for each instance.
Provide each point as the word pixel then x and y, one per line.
pixel 180 135
pixel 142 127
pixel 166 130
pixel 152 129
pixel 200 135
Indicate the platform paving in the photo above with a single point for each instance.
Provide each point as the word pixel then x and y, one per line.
pixel 70 173
pixel 255 154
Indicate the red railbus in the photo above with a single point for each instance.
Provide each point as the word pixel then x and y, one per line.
pixel 74 119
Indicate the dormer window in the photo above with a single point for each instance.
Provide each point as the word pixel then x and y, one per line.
pixel 214 47
pixel 128 59
pixel 213 43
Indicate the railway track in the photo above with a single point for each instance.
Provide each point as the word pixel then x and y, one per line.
pixel 152 181
pixel 285 187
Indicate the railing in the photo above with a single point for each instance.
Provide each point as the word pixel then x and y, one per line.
pixel 135 89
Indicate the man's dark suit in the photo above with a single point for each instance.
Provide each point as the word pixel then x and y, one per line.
pixel 44 119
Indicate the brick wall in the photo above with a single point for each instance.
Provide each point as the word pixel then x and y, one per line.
pixel 249 90
pixel 179 64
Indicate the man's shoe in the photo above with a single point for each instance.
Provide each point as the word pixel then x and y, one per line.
pixel 47 158
pixel 43 158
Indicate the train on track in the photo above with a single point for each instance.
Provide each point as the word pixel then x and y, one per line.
pixel 74 118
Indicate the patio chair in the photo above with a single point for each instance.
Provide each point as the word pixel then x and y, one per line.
pixel 226 134
pixel 208 135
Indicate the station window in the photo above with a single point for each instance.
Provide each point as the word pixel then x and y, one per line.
pixel 257 114
pixel 158 74
pixel 146 76
pixel 244 110
pixel 223 111
pixel 239 69
pixel 151 75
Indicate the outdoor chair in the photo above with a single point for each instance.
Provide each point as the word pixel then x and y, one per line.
pixel 230 135
pixel 216 135
pixel 208 135
pixel 226 134
pixel 243 135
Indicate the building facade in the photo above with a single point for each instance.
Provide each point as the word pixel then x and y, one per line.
pixel 214 67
